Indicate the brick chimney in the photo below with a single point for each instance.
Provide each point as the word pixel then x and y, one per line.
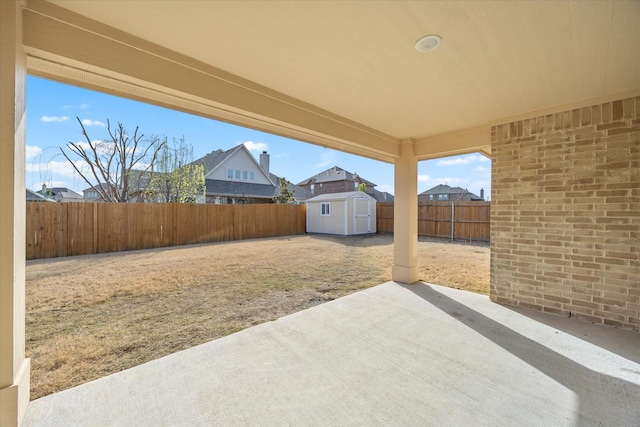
pixel 482 193
pixel 264 161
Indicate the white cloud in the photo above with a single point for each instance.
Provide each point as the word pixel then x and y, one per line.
pixel 32 151
pixel 84 106
pixel 48 119
pixel 462 160
pixel 256 146
pixel 481 169
pixel 89 122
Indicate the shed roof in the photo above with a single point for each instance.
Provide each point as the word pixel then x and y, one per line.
pixel 341 196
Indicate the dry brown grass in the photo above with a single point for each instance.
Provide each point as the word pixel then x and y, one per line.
pixel 90 316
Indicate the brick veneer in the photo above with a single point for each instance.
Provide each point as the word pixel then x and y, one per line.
pixel 565 220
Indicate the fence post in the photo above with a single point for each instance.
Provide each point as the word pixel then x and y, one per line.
pixel 453 221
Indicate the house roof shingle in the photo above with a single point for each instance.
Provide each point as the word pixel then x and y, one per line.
pixel 213 159
pixel 62 193
pixel 335 174
pixel 34 196
pixel 239 188
pixel 445 189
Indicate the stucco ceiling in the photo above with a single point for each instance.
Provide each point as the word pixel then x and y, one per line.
pixel 356 59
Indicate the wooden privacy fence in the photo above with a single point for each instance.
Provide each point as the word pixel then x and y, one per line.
pixel 459 220
pixel 65 229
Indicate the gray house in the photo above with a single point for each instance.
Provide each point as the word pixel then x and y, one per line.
pixel 234 176
pixel 33 196
pixel 60 194
pixel 444 193
pixel 336 180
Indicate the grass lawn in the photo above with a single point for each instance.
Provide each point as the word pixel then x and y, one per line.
pixel 91 316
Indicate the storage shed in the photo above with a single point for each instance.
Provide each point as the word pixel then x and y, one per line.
pixel 349 213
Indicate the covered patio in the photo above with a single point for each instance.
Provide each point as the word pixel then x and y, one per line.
pixel 390 355
pixel 549 90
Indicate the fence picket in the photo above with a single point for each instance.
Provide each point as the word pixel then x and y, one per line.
pixel 472 220
pixel 64 229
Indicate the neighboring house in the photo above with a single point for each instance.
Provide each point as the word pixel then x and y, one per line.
pixel 338 180
pixel 443 193
pixel 33 196
pixel 60 194
pixel 91 194
pixel 234 176
pixel 139 180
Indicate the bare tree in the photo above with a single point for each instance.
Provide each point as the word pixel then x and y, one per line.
pixel 122 167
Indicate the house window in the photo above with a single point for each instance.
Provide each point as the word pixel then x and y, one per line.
pixel 443 197
pixel 355 185
pixel 241 175
pixel 324 209
pixel 430 196
pixel 311 187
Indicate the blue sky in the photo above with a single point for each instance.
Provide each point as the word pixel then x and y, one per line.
pixel 52 109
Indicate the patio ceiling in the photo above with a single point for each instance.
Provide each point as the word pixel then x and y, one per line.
pixel 345 74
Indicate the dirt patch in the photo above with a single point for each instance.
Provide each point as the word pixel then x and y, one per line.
pixel 90 316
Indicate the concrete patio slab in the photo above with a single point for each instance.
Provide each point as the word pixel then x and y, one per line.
pixel 389 355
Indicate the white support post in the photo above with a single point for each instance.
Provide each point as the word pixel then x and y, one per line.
pixel 14 368
pixel 405 216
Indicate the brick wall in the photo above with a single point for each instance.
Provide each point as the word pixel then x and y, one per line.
pixel 565 224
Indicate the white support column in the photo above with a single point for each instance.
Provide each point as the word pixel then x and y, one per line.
pixel 14 368
pixel 405 215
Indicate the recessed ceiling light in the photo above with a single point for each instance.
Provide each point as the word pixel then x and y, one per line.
pixel 428 43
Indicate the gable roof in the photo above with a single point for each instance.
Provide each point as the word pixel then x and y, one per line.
pixel 212 160
pixel 216 159
pixel 335 174
pixel 445 189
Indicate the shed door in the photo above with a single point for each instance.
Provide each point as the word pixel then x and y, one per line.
pixel 362 216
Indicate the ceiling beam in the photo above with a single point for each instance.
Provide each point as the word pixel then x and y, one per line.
pixel 471 140
pixel 68 47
